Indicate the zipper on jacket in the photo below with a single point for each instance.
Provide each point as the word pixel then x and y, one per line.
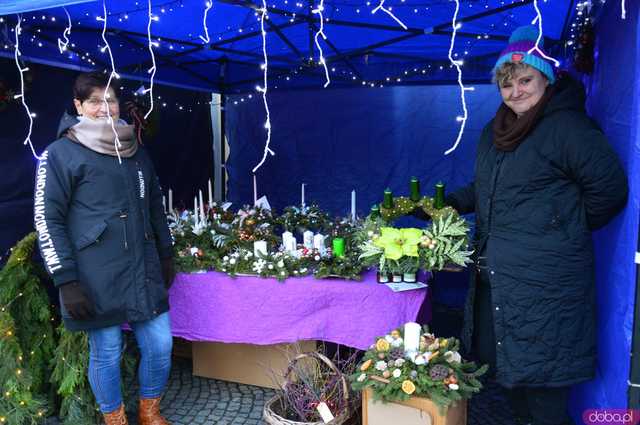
pixel 123 217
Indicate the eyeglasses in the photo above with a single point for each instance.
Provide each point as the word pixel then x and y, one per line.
pixel 95 102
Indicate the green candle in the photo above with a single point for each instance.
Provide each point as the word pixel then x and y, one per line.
pixel 338 247
pixel 414 187
pixel 387 201
pixel 438 202
pixel 375 211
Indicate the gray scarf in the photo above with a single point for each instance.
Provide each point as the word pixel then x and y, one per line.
pixel 98 136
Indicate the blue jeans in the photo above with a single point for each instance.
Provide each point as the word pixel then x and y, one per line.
pixel 105 349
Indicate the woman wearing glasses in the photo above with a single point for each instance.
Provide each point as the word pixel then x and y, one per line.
pixel 105 241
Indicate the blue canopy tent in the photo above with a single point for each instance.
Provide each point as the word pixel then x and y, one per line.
pixel 388 113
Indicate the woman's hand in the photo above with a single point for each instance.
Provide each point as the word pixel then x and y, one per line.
pixel 76 301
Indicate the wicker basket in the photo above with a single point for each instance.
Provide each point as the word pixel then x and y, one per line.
pixel 272 418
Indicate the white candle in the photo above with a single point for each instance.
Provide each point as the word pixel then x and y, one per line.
pixel 307 238
pixel 286 236
pixel 170 200
pixel 255 190
pixel 201 206
pixel 210 194
pixel 195 210
pixel 318 243
pixel 353 205
pixel 302 195
pixel 412 332
pixel 164 204
pixel 260 248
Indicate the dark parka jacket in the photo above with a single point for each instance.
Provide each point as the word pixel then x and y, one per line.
pixel 101 223
pixel 535 210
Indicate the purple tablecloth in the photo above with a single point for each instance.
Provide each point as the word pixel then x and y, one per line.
pixel 215 307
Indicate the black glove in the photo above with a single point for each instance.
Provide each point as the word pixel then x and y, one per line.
pixel 168 271
pixel 75 301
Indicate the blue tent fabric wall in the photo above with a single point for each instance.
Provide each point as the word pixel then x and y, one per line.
pixel 613 100
pixel 366 139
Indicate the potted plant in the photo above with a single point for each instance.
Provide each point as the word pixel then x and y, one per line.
pixel 433 378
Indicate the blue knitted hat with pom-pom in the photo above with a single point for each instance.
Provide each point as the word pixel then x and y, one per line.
pixel 521 41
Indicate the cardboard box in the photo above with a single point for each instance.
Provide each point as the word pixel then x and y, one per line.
pixel 415 411
pixel 245 363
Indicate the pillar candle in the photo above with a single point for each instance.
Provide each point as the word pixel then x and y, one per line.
pixel 170 200
pixel 387 201
pixel 307 238
pixel 210 193
pixel 353 205
pixel 260 248
pixel 293 245
pixel 414 187
pixel 439 199
pixel 286 238
pixel 375 211
pixel 318 243
pixel 338 247
pixel 201 206
pixel 412 332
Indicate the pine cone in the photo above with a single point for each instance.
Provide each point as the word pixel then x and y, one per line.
pixel 396 353
pixel 438 372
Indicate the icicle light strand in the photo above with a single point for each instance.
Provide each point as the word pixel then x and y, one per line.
pixel 320 32
pixel 263 89
pixel 388 12
pixel 113 74
pixel 206 38
pixel 536 48
pixel 21 96
pixel 458 64
pixel 62 45
pixel 151 70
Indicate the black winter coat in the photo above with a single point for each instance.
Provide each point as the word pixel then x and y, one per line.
pixel 102 224
pixel 535 210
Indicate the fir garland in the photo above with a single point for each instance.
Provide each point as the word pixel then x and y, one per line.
pixel 38 365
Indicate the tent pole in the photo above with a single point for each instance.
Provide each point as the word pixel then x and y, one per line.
pixel 634 373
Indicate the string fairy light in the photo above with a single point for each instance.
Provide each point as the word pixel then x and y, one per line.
pixel 62 45
pixel 21 96
pixel 151 70
pixel 458 64
pixel 263 90
pixel 536 48
pixel 388 12
pixel 320 32
pixel 206 38
pixel 113 74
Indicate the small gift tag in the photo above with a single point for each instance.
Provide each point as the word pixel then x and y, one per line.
pixel 325 413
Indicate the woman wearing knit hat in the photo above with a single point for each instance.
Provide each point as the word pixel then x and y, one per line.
pixel 545 179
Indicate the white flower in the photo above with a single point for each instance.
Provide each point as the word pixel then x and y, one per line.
pixel 282 273
pixel 280 264
pixel 317 258
pixel 303 270
pixel 453 357
pixel 370 233
pixel 235 254
pixel 397 373
pixel 362 377
pixel 454 387
pixel 296 272
pixel 224 270
pixel 270 266
pixel 225 258
pixel 381 365
pixel 249 254
pixel 232 261
pixel 420 359
pixel 397 342
pixel 388 338
pixel 399 362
